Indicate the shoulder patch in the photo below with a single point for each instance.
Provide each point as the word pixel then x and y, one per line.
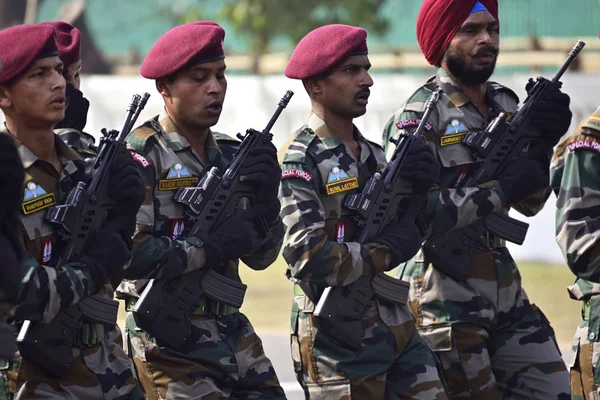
pixel 583 144
pixel 296 173
pixel 500 88
pixel 412 123
pixel 140 159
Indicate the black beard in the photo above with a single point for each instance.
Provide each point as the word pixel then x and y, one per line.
pixel 467 75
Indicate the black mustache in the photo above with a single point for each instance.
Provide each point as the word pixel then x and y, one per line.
pixel 363 92
pixel 487 51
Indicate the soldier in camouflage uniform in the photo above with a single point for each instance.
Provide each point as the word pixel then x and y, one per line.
pixel 491 341
pixel 33 100
pixel 224 357
pixel 70 129
pixel 574 178
pixel 323 162
pixel 11 252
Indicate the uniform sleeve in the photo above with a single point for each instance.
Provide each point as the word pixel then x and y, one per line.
pixel 574 179
pixel 156 255
pixel 44 291
pixel 310 255
pixel 267 254
pixel 449 208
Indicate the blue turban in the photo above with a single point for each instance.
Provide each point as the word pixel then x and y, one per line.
pixel 478 7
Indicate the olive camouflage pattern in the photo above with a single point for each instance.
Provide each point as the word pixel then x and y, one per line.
pixel 574 179
pixel 226 357
pixel 101 369
pixel 318 172
pixel 491 341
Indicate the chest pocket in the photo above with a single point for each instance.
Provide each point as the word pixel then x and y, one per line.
pixel 36 231
pixel 454 158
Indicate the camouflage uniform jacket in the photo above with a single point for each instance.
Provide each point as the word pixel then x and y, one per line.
pixel 101 367
pixel 455 115
pixel 44 289
pixel 574 178
pixel 167 162
pixel 319 171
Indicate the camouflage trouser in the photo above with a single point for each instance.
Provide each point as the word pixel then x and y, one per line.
pixel 100 372
pixel 584 364
pixel 8 377
pixel 384 368
pixel 491 341
pixel 226 361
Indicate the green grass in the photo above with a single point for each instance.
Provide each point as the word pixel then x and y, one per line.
pixel 269 296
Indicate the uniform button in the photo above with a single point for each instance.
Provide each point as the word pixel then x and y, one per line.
pixel 591 336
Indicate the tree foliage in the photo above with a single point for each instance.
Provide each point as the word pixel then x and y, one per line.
pixel 262 22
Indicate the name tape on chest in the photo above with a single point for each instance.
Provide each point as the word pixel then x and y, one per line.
pixel 452 139
pixel 35 198
pixel 296 173
pixel 584 145
pixel 177 183
pixel 341 186
pixel 412 123
pixel 138 158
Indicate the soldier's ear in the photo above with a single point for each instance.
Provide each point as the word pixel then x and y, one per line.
pixel 313 87
pixel 162 85
pixel 5 101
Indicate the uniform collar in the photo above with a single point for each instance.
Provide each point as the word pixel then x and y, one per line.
pixel 451 89
pixel 65 154
pixel 321 130
pixel 178 142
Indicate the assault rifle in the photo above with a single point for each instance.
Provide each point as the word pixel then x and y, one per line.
pixel 165 306
pixel 385 199
pixel 505 138
pixel 85 211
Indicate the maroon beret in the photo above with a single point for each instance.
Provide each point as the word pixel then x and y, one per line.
pixel 193 43
pixel 68 41
pixel 23 44
pixel 323 48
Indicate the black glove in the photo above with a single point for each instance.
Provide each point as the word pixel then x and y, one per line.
pixel 76 109
pixel 261 170
pixel 420 167
pixel 522 178
pixel 551 115
pixel 233 239
pixel 403 239
pixel 126 184
pixel 12 175
pixel 107 254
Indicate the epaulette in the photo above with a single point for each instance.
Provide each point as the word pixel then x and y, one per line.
pixel 591 126
pixel 227 144
pixel 416 102
pixel 495 86
pixel 221 137
pixel 377 145
pixel 142 138
pixel 295 149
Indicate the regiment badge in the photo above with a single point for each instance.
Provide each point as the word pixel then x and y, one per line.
pixel 36 198
pixel 178 177
pixel 339 181
pixel 455 131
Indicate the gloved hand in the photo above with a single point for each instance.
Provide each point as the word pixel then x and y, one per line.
pixel 234 238
pixel 126 184
pixel 522 178
pixel 12 175
pixel 76 109
pixel 107 254
pixel 261 170
pixel 420 167
pixel 403 239
pixel 551 115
